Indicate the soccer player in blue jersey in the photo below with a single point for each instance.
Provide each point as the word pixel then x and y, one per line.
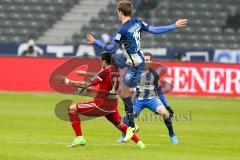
pixel 149 95
pixel 129 38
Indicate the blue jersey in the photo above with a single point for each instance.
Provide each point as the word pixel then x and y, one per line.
pixel 129 37
pixel 148 86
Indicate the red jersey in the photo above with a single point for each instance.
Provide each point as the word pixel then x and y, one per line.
pixel 107 82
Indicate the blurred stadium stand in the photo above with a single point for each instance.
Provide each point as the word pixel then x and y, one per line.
pixel 204 30
pixel 21 20
pixel 53 21
pixel 73 21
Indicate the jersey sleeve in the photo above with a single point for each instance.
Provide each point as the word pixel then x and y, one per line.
pixel 156 84
pixel 119 36
pixel 156 78
pixel 98 78
pixel 144 26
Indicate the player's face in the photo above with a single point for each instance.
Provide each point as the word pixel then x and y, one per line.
pixel 103 64
pixel 30 49
pixel 148 61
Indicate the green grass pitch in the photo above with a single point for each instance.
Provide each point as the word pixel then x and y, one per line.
pixel 207 128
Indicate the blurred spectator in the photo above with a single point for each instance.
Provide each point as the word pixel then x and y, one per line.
pixel 107 36
pixel 233 20
pixel 145 7
pixel 29 49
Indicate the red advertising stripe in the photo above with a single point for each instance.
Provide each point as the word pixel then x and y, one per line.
pixel 31 74
pixel 201 79
pixel 208 79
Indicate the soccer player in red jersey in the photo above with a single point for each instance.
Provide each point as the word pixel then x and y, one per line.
pixel 103 104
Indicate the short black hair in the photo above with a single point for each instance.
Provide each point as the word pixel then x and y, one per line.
pixel 106 56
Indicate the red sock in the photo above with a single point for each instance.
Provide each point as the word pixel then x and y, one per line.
pixel 74 118
pixel 124 130
pixel 135 138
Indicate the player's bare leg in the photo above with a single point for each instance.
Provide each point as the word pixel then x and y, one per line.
pixel 168 122
pixel 163 112
pixel 75 120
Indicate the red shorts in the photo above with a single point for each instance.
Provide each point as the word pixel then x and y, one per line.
pixel 90 109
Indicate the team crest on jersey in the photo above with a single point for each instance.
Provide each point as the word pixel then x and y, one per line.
pixel 128 76
pixel 118 37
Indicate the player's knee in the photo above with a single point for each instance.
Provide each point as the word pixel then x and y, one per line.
pixel 125 120
pixel 163 112
pixel 165 115
pixel 125 92
pixel 73 108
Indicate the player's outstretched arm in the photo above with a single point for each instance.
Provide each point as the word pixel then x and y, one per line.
pixel 64 79
pixel 92 40
pixel 110 47
pixel 85 73
pixel 164 29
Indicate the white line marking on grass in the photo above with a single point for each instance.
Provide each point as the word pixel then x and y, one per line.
pixel 111 144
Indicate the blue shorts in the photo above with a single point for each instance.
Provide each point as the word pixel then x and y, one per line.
pixel 152 104
pixel 132 75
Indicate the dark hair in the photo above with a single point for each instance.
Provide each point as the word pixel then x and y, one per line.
pixel 106 56
pixel 125 7
pixel 148 54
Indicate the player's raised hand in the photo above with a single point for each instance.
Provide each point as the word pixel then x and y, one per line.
pixel 61 79
pixel 81 73
pixel 90 39
pixel 181 23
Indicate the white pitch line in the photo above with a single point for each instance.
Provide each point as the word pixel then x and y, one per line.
pixel 45 143
pixel 112 144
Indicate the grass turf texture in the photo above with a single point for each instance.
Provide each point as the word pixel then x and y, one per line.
pixel 29 129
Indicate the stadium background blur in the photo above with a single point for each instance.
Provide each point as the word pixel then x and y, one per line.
pixel 203 67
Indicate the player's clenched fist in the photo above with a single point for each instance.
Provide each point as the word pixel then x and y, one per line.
pixel 181 23
pixel 90 39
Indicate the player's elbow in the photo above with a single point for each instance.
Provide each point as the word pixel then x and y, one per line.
pixel 111 47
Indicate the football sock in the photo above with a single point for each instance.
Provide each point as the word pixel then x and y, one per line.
pixel 168 123
pixel 170 110
pixel 75 120
pixel 165 103
pixel 129 110
pixel 124 130
pixel 125 121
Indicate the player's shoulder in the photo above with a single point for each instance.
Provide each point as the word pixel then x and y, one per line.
pixel 102 73
pixel 129 23
pixel 109 70
pixel 137 20
pixel 125 27
pixel 151 70
pixel 121 30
